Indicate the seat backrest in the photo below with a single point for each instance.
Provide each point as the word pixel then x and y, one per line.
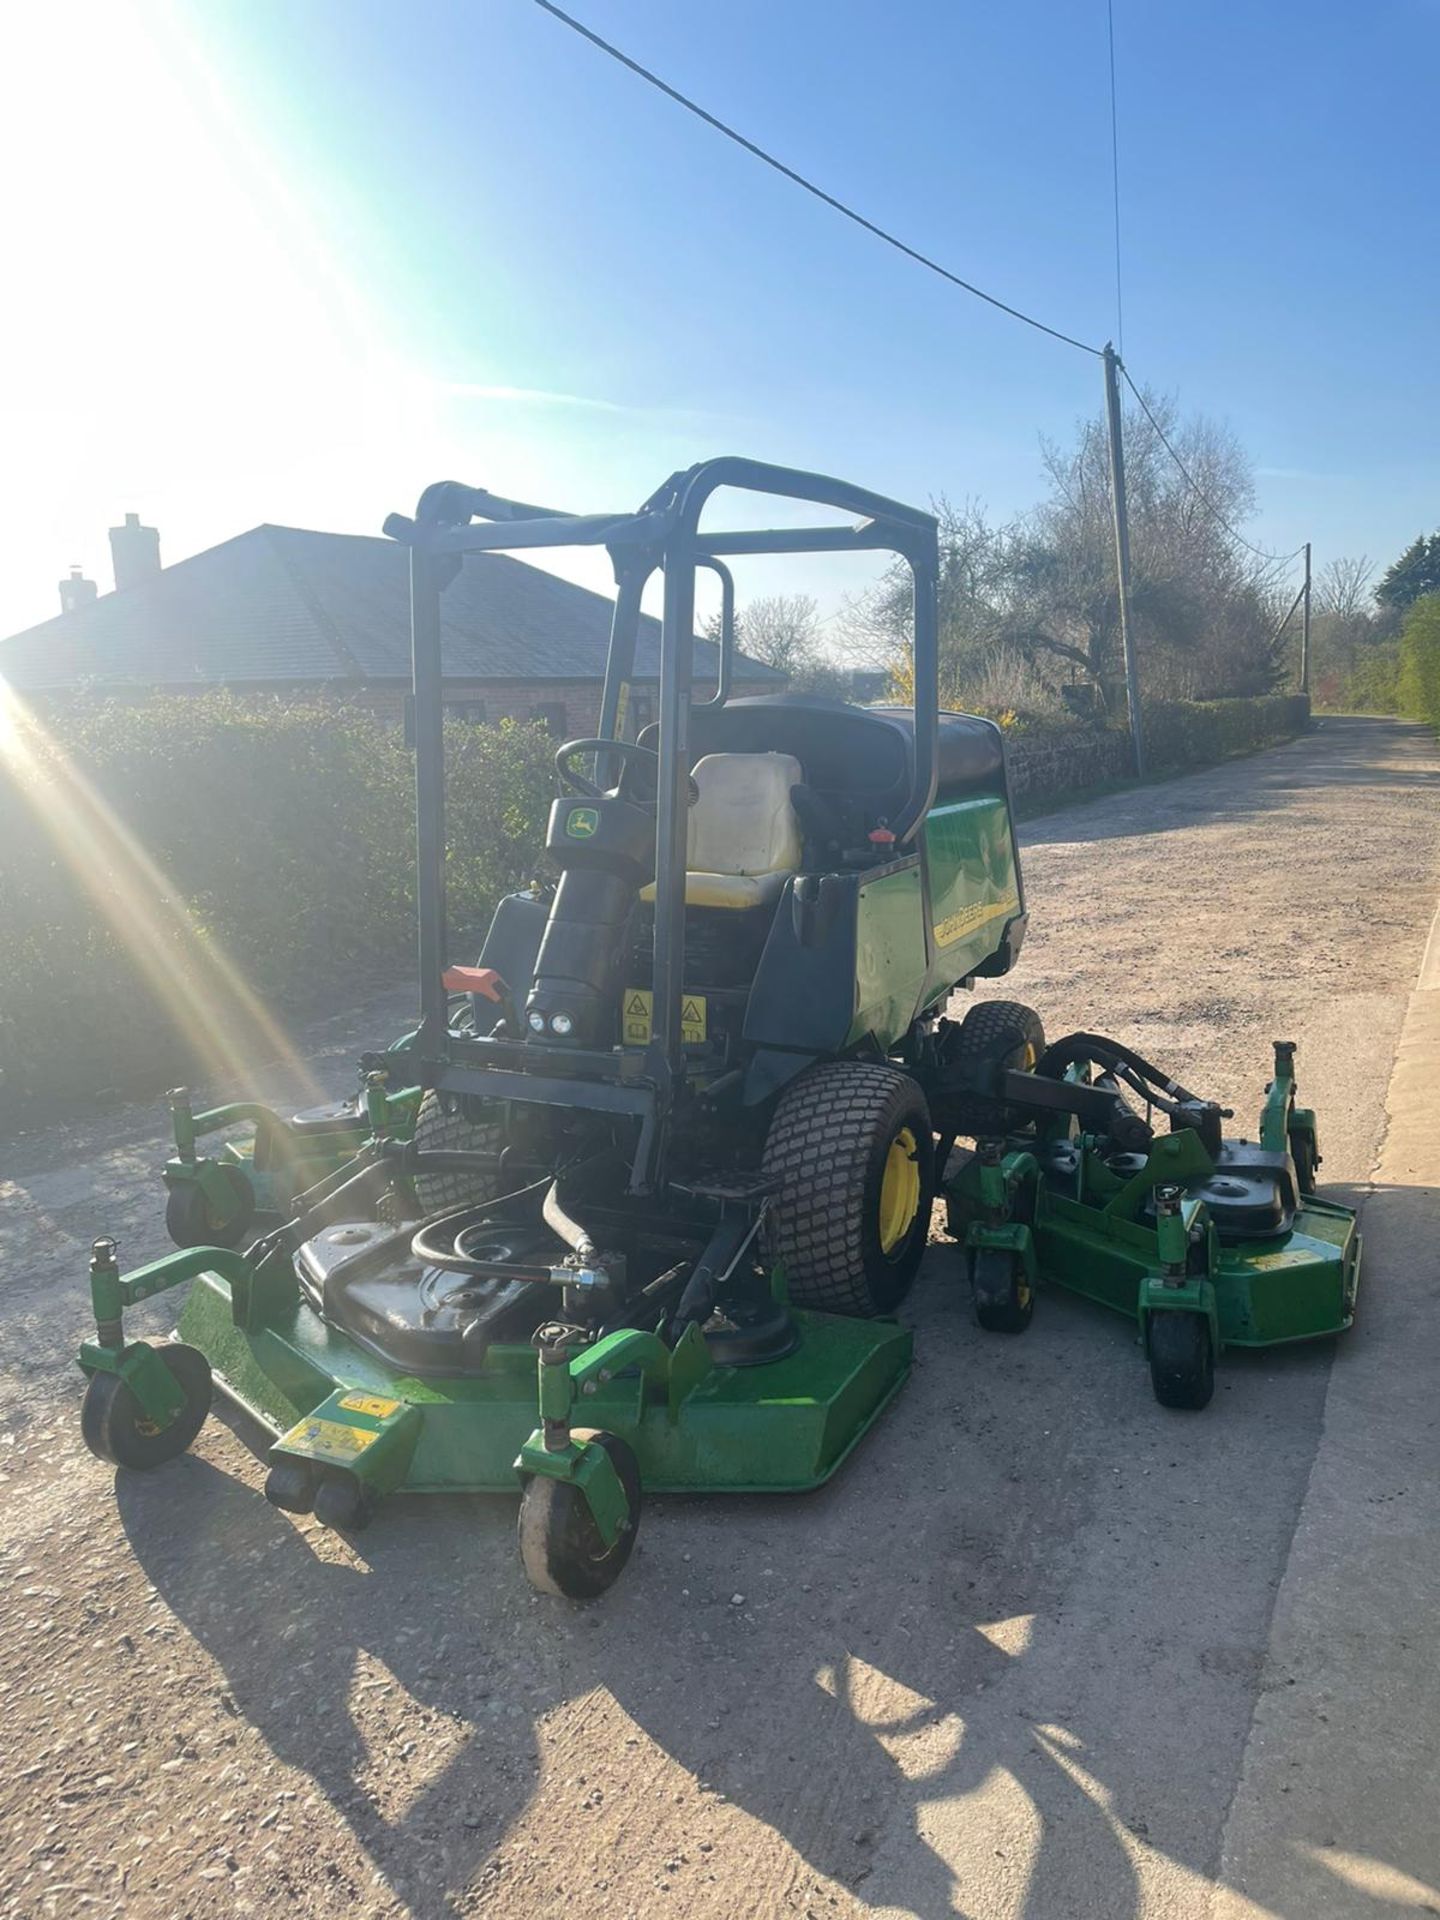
pixel 743 821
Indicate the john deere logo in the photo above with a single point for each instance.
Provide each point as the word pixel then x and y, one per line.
pixel 582 822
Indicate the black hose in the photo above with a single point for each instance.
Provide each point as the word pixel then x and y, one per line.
pixel 570 1231
pixel 1111 1054
pixel 436 1241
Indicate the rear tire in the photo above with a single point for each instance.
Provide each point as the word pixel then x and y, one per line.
pixel 438 1127
pixel 853 1149
pixel 994 1035
pixel 1182 1359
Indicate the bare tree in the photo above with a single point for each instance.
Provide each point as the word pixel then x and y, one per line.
pixel 1342 587
pixel 784 630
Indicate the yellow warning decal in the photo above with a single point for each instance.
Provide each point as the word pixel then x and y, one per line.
pixel 637 1007
pixel 328 1440
pixel 971 919
pixel 370 1403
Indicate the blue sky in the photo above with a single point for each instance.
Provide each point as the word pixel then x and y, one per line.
pixel 292 261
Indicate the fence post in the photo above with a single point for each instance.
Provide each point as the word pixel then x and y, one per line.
pixel 1122 554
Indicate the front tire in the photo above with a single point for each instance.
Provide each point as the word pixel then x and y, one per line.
pixel 1182 1359
pixel 853 1150
pixel 115 1427
pixel 190 1223
pixel 561 1548
pixel 1004 1298
pixel 445 1127
pixel 1307 1160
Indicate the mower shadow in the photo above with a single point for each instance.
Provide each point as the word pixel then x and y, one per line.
pixel 835 1739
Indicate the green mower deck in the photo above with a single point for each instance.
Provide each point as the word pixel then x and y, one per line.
pixel 778 1428
pixel 1204 1243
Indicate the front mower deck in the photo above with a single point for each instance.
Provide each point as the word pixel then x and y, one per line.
pixel 778 1428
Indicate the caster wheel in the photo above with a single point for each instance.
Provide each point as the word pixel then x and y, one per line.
pixel 1004 1298
pixel 1302 1152
pixel 190 1223
pixel 342 1503
pixel 560 1544
pixel 1182 1360
pixel 290 1484
pixel 116 1428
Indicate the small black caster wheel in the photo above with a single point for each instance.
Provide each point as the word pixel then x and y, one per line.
pixel 291 1484
pixel 190 1223
pixel 1004 1298
pixel 560 1545
pixel 1307 1161
pixel 116 1428
pixel 1182 1358
pixel 343 1503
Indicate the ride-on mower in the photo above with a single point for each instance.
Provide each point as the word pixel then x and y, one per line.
pixel 634 1204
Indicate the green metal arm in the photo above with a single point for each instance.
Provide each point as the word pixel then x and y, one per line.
pixel 159 1393
pixel 1279 1100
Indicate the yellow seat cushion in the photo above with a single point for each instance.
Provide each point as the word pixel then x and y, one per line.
pixel 744 839
pixel 738 890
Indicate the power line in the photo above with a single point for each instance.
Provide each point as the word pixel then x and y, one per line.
pixel 922 259
pixel 1115 178
pixel 1197 489
pixel 799 179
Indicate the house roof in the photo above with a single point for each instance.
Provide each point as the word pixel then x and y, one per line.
pixel 283 604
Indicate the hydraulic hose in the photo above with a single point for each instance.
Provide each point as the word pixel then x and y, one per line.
pixel 1154 1085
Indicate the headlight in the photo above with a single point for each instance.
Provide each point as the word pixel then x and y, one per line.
pixel 537 1022
pixel 562 1024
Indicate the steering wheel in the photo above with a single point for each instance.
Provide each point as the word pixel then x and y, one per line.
pixel 574 781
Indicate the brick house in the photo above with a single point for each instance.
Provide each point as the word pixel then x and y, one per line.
pixel 284 610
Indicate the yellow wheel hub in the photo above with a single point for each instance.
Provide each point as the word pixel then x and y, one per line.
pixel 899 1190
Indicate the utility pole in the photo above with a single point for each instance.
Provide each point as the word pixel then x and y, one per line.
pixel 1122 554
pixel 1305 629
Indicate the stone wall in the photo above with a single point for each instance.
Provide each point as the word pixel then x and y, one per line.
pixel 1047 766
pixel 1051 765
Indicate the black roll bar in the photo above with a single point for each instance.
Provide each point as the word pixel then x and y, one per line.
pixel 452 519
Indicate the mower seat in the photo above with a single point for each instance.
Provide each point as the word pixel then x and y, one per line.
pixel 744 838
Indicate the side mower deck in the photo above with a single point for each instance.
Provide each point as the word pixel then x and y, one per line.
pixel 1205 1242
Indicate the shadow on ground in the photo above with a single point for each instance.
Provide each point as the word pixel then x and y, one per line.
pixel 884 1693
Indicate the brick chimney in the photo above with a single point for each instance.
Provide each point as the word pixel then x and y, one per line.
pixel 77 591
pixel 135 551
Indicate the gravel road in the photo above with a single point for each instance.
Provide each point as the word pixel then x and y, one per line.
pixel 1005 1665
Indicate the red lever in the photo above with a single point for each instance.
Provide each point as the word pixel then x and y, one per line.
pixel 882 837
pixel 481 980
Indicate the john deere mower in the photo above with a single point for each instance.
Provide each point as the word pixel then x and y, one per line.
pixel 633 1206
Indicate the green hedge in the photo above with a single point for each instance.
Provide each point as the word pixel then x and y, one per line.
pixel 1198 733
pixel 272 835
pixel 1419 678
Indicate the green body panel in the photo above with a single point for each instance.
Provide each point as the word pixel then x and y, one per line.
pixel 890 955
pixel 974 886
pixel 781 1427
